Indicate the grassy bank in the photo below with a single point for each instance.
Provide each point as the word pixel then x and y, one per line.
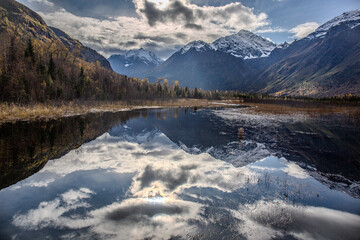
pixel 15 112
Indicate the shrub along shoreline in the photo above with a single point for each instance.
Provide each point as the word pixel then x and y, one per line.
pixel 10 112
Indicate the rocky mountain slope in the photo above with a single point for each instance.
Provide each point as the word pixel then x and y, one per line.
pixel 325 63
pixel 215 66
pixel 77 48
pixel 28 24
pixel 25 22
pixel 39 65
pixel 199 65
pixel 245 45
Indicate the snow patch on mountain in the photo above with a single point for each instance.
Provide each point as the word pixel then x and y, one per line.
pixel 351 19
pixel 147 57
pixel 283 45
pixel 199 46
pixel 134 63
pixel 245 44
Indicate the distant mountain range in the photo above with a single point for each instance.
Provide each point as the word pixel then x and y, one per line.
pixel 325 63
pixel 197 65
pixel 135 63
pixel 244 45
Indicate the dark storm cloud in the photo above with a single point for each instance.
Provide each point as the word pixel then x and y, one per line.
pixel 170 179
pixel 109 51
pixel 162 39
pixel 98 9
pixel 215 3
pixel 215 22
pixel 193 26
pixel 151 45
pixel 96 40
pixel 143 211
pixel 176 11
pixel 128 44
pixel 181 35
pixel 214 35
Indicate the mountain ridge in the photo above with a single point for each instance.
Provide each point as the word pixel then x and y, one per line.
pixel 245 45
pixel 202 69
pixel 134 63
pixel 321 66
pixel 29 24
pixel 84 52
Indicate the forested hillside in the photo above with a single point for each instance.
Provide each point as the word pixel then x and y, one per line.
pixel 36 66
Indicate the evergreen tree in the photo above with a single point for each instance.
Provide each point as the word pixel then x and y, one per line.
pixel 29 50
pixel 81 83
pixel 52 68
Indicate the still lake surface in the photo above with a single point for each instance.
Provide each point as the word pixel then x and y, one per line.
pixel 182 174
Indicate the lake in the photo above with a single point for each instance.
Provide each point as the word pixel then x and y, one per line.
pixel 186 173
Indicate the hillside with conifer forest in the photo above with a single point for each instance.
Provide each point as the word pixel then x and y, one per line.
pixel 39 63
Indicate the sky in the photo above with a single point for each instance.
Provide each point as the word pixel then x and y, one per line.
pixel 164 26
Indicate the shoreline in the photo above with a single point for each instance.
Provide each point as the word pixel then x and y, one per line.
pixel 43 111
pixel 53 110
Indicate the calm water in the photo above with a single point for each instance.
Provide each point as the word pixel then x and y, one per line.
pixel 181 174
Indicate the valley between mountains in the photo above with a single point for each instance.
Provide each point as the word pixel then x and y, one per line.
pixel 323 64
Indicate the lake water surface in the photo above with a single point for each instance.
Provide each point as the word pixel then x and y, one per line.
pixel 182 174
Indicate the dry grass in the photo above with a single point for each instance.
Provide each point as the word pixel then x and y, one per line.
pixel 322 108
pixel 14 112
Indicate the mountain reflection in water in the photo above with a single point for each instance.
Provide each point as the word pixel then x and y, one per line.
pixel 180 174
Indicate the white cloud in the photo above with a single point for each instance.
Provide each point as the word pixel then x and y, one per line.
pixel 264 220
pixel 176 22
pixel 302 30
pixel 141 218
pixel 50 214
pixel 162 172
pixel 44 2
pixel 271 30
pixel 134 218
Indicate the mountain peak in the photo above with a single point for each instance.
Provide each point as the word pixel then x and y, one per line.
pixel 134 63
pixel 283 45
pixel 351 19
pixel 199 46
pixel 245 44
pixel 141 54
pixel 244 32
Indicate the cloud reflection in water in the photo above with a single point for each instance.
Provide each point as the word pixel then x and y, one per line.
pixel 156 206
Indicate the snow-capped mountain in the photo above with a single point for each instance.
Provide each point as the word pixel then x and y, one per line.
pixel 134 63
pixel 327 65
pixel 199 46
pixel 283 45
pixel 350 19
pixel 245 44
pixel 199 65
pixel 147 57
